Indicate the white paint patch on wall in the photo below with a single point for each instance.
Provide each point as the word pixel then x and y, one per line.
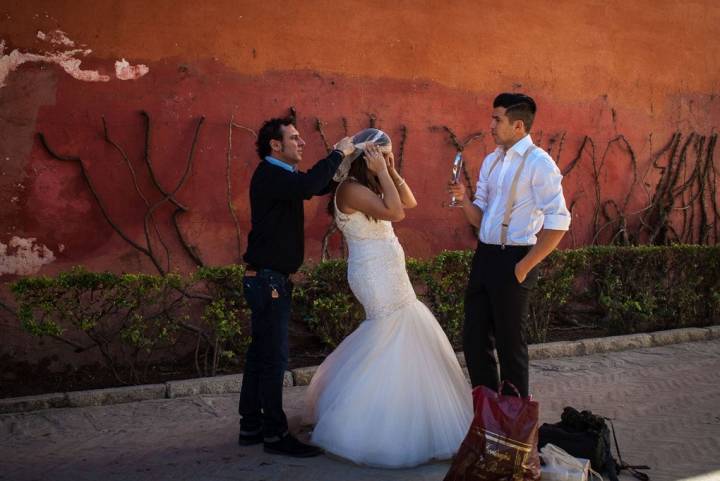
pixel 125 71
pixel 68 60
pixel 57 37
pixel 23 256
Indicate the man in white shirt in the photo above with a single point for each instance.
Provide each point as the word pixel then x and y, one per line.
pixel 520 211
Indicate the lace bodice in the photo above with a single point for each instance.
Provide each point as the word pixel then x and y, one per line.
pixel 376 265
pixel 358 226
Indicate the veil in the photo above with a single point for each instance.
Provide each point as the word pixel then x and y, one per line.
pixel 360 140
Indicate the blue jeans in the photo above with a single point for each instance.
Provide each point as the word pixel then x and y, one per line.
pixel 269 296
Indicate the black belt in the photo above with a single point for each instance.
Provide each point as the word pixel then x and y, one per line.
pixel 506 247
pixel 253 271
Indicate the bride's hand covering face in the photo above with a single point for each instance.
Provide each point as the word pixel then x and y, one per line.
pixel 374 158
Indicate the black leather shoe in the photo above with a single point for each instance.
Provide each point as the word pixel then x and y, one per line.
pixel 288 445
pixel 248 439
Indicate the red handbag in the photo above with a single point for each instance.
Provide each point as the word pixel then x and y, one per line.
pixel 501 444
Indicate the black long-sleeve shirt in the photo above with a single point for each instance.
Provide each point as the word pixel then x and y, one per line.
pixel 277 237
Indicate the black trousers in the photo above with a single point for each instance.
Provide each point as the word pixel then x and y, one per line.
pixel 496 310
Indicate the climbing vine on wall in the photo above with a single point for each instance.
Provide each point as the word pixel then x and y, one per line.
pixel 671 195
pixel 679 183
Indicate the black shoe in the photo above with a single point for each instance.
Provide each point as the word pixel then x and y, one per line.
pixel 288 445
pixel 248 439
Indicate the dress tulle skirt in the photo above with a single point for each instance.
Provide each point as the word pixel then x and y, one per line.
pixel 392 394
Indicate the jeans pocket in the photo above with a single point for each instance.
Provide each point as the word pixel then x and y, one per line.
pixel 254 290
pixel 280 287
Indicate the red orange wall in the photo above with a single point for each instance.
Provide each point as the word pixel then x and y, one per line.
pixel 607 71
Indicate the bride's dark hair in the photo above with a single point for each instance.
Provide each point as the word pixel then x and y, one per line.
pixel 358 169
pixel 358 173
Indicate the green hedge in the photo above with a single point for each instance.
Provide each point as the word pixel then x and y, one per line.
pixel 136 320
pixel 126 317
pixel 324 302
pixel 133 318
pixel 648 288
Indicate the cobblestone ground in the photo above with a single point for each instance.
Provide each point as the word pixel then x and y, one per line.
pixel 665 402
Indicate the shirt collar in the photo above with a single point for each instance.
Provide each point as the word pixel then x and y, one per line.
pixel 279 163
pixel 519 147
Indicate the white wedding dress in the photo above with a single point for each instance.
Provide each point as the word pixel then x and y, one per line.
pixel 392 394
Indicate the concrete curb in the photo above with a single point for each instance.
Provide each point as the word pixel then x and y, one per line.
pixel 302 376
pixel 115 395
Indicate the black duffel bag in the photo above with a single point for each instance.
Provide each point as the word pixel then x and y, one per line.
pixel 586 435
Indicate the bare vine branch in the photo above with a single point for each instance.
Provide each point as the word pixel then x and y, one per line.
pixel 401 148
pixel 148 240
pixel 170 196
pixel 101 204
pixel 233 214
pixel 321 129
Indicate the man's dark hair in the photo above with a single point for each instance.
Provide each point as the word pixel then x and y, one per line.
pixel 517 107
pixel 271 130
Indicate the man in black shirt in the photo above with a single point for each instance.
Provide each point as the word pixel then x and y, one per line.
pixel 276 245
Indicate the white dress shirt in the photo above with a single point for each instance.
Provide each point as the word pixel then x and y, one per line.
pixel 539 201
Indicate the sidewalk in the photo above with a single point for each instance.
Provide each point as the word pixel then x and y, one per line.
pixel 665 402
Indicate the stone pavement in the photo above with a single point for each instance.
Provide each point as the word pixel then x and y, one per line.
pixel 665 402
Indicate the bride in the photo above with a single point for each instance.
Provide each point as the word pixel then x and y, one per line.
pixel 392 394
